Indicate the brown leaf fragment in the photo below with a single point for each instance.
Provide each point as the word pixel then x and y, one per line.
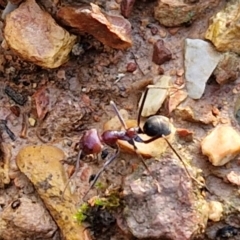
pixel 175 98
pixel 126 7
pixel 185 134
pixel 42 100
pixel 111 30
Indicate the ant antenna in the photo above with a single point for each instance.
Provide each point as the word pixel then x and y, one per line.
pixel 118 115
pixel 141 106
pixel 74 174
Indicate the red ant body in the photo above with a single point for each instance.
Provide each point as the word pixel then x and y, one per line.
pixel 93 143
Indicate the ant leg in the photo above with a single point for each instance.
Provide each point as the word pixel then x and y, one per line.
pixel 184 164
pixel 110 160
pixel 140 156
pixel 118 115
pixel 177 154
pixel 75 172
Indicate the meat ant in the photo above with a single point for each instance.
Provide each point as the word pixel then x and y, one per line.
pixel 155 127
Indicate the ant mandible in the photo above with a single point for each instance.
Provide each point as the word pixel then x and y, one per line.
pixel 92 142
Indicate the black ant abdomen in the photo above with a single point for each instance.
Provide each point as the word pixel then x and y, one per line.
pixel 157 126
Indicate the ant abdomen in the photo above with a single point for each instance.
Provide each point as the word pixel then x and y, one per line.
pixel 90 142
pixel 157 126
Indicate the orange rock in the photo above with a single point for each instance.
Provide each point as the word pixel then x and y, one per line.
pixel 111 30
pixel 221 145
pixel 35 36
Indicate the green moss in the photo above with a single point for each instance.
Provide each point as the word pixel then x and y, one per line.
pixel 100 186
pixel 111 202
pixel 80 216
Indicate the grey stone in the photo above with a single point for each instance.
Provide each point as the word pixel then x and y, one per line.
pixel 165 208
pixel 200 60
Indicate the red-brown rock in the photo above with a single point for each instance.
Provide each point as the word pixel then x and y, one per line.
pixel 160 53
pixel 111 30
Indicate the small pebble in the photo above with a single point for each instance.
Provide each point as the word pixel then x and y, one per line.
pixel 173 72
pixel 2 200
pixel 160 70
pixel 32 121
pixel 154 30
pixel 161 54
pixel 162 33
pixel 180 72
pixel 173 31
pixel 221 145
pixel 67 142
pixel 215 111
pixel 131 67
pixel 215 211
pixel 235 91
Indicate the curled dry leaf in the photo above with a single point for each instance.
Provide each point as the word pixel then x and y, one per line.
pixel 42 100
pixel 111 30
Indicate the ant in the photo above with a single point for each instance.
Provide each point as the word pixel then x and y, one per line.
pixel 92 142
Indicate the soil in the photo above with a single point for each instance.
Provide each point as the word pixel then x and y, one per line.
pixel 80 92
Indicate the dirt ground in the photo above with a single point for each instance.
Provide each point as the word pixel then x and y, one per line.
pixel 80 92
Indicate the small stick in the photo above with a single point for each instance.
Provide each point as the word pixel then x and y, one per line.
pixel 23 133
pixel 3 126
pixel 135 60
